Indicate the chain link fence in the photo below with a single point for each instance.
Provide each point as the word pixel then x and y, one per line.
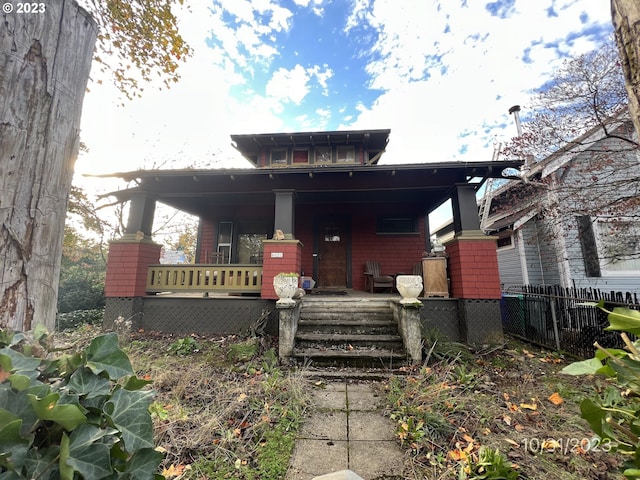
pixel 561 318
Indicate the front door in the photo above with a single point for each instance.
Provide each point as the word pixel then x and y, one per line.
pixel 332 240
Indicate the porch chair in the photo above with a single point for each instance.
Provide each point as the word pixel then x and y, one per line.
pixel 373 277
pixel 215 258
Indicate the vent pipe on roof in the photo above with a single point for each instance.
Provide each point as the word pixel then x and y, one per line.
pixel 516 114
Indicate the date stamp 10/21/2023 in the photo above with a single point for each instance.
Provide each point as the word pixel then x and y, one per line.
pixel 566 446
pixel 24 7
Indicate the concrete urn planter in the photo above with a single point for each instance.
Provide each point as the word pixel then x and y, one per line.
pixel 409 286
pixel 286 286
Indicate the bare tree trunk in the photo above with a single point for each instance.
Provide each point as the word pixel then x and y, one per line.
pixel 626 23
pixel 45 59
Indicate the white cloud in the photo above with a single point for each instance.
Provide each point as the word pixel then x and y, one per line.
pixel 294 85
pixel 444 92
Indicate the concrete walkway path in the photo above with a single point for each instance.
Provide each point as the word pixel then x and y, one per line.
pixel 346 430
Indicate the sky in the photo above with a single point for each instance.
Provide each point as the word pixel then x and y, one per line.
pixel 441 75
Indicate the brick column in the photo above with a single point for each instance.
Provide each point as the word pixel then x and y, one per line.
pixel 473 266
pixel 127 265
pixel 280 256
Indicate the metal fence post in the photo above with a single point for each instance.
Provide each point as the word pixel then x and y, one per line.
pixel 555 322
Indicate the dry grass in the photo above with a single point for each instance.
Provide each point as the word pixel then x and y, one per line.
pixel 512 399
pixel 226 410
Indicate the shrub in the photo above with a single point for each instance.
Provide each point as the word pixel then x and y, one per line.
pixel 79 317
pixel 81 415
pixel 615 414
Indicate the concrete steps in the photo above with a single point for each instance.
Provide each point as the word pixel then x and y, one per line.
pixel 348 332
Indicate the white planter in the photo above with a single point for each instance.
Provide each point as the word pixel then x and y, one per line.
pixel 285 287
pixel 409 286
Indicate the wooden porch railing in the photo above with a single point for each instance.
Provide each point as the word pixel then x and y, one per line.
pixel 204 278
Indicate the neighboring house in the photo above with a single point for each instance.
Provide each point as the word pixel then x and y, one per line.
pixel 314 203
pixel 573 219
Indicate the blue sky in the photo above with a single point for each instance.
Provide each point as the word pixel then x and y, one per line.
pixel 440 74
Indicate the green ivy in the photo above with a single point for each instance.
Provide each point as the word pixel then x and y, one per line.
pixel 614 415
pixel 82 415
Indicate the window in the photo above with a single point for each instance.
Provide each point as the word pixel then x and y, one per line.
pixel 279 156
pixel 332 233
pixel 301 156
pixel 588 245
pixel 397 225
pixel 346 155
pixel 323 154
pixel 251 235
pixel 225 238
pixel 618 241
pixel 505 241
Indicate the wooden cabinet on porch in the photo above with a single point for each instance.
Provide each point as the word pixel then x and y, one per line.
pixel 434 277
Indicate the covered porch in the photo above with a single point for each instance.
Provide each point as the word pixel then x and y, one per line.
pixel 320 222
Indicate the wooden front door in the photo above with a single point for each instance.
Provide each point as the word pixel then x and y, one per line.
pixel 332 238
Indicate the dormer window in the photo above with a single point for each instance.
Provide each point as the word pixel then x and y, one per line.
pixel 300 156
pixel 346 155
pixel 323 154
pixel 279 157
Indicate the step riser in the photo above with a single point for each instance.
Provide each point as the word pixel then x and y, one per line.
pixel 372 361
pixel 349 329
pixel 323 346
pixel 348 318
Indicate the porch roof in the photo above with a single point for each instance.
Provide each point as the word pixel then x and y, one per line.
pixel 197 191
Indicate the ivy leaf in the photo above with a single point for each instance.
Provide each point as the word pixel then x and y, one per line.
pixel 129 412
pixel 143 463
pixel 594 414
pixel 584 367
pixel 85 383
pixel 47 408
pixel 13 447
pixel 66 471
pixel 624 319
pixel 40 461
pixel 18 404
pixel 135 383
pixel 104 355
pixel 89 451
pixel 20 363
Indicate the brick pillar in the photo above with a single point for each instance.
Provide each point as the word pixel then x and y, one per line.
pixel 473 266
pixel 280 256
pixel 127 265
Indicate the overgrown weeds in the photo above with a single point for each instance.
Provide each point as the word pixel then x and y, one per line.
pixel 503 413
pixel 224 409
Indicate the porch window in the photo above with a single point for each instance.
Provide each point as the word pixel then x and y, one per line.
pixel 225 240
pixel 323 154
pixel 618 241
pixel 300 156
pixel 279 157
pixel 251 234
pixel 397 226
pixel 346 155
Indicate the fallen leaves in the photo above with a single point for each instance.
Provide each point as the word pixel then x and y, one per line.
pixel 175 471
pixel 556 399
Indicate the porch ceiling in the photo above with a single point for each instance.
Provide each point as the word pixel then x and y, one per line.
pixel 197 191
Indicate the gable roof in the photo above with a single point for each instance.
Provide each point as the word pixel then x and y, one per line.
pixel 524 194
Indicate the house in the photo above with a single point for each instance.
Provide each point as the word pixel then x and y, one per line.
pixel 573 218
pixel 316 203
